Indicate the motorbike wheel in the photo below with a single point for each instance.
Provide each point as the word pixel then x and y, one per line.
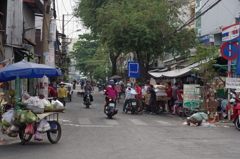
pixel 133 110
pixel 179 110
pixel 87 103
pixel 109 116
pixel 237 124
pixel 159 108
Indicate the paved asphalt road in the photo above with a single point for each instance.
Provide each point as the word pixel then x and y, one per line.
pixel 88 134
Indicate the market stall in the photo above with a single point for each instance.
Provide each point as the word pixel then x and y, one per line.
pixel 30 115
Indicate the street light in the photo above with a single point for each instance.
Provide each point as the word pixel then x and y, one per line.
pixel 74 31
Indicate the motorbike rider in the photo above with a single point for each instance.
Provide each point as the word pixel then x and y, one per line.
pixel 128 96
pixel 152 99
pixel 88 88
pixel 111 92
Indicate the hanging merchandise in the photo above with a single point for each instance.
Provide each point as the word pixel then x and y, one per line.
pixel 29 129
pixel 38 136
pixel 43 126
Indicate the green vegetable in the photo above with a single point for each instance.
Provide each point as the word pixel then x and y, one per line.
pixel 4 123
pixel 48 107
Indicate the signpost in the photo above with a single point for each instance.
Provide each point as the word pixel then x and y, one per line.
pixel 133 69
pixel 229 51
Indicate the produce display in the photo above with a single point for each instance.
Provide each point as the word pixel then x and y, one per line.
pixel 23 115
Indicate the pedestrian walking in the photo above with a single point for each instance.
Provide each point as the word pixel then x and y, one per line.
pixel 62 93
pixel 138 98
pixel 170 96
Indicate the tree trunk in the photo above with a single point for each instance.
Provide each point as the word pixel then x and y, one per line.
pixel 114 65
pixel 144 65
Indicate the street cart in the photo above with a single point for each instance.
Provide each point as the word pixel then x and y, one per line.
pixel 25 119
pixel 54 134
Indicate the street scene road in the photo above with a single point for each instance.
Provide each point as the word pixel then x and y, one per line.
pixel 89 134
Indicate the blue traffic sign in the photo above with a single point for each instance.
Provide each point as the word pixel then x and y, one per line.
pixel 229 51
pixel 133 69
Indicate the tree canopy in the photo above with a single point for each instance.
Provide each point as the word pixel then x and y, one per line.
pixel 138 26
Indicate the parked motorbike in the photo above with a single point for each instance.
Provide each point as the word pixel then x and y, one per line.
pixel 158 106
pixel 131 106
pixel 236 112
pixel 87 101
pixel 110 109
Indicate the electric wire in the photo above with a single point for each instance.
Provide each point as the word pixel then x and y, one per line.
pixel 190 21
pixel 59 15
pixel 64 7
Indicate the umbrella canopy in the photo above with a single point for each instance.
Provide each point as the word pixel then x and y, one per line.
pixel 26 69
pixel 116 77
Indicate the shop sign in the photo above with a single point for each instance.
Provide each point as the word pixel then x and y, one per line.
pixel 191 93
pixel 230 33
pixel 232 82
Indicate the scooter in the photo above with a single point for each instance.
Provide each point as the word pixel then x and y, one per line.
pixel 131 106
pixel 236 112
pixel 110 109
pixel 87 102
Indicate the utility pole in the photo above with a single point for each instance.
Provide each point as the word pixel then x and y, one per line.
pixel 63 36
pixel 45 29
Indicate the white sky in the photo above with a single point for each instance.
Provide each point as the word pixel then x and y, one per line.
pixel 66 7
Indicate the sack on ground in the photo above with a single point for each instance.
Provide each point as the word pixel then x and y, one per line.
pixel 198 116
pixel 43 126
pixel 8 116
pixel 29 129
pixel 38 136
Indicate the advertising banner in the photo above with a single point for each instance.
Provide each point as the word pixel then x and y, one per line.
pixel 230 33
pixel 191 93
pixel 50 56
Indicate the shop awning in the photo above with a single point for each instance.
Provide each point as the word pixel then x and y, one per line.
pixel 173 73
pixel 177 72
pixel 185 63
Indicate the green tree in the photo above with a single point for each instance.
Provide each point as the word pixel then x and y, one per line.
pixel 100 72
pixel 205 68
pixel 84 51
pixel 138 26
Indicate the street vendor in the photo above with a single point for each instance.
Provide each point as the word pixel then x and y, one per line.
pixel 62 93
pixel 51 92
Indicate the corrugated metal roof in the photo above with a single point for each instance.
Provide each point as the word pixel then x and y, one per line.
pixel 36 6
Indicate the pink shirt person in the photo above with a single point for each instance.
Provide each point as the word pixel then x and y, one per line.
pixel 111 92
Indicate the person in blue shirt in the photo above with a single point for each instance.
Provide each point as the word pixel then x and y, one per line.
pixel 152 99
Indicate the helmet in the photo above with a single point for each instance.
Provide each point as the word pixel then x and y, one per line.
pixel 87 81
pixel 129 85
pixel 232 101
pixel 111 81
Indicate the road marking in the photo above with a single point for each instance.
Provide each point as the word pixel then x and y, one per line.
pixel 96 126
pixel 163 123
pixel 137 122
pixel 111 122
pixel 84 121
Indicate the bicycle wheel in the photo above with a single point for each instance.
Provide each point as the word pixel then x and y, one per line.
pixel 188 112
pixel 54 134
pixel 24 137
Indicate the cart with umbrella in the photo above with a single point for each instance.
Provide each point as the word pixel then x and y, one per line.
pixel 24 69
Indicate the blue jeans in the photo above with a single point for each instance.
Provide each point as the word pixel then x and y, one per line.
pixel 150 104
pixel 125 104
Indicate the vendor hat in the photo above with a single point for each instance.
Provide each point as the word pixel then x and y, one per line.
pixel 61 83
pixel 237 90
